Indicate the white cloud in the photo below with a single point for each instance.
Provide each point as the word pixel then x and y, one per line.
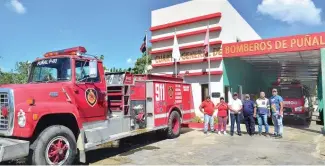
pixel 292 11
pixel 130 61
pixel 17 6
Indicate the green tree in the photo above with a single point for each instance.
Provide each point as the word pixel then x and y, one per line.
pixel 102 57
pixel 17 76
pixel 140 64
pixel 21 70
pixel 6 78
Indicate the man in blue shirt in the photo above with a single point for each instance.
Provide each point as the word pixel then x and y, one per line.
pixel 277 113
pixel 248 111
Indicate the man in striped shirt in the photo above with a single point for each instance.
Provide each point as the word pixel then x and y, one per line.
pixel 262 112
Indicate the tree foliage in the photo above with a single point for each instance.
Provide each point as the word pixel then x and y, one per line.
pixel 17 76
pixel 102 57
pixel 140 64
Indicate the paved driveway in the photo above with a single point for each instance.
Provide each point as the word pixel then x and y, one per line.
pixel 300 145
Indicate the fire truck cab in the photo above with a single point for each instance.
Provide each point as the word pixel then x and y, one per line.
pixel 70 106
pixel 296 100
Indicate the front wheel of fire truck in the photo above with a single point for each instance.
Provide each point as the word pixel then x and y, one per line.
pixel 174 125
pixel 56 145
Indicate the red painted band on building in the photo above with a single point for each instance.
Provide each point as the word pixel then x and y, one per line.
pixel 188 61
pixel 186 21
pixel 196 73
pixel 186 34
pixel 185 47
pixel 275 45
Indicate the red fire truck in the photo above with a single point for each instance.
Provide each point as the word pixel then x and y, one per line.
pixel 70 106
pixel 296 100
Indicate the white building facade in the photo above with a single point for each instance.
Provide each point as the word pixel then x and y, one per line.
pixel 189 21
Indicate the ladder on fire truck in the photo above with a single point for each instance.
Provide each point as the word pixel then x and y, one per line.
pixel 118 124
pixel 118 97
pixel 118 93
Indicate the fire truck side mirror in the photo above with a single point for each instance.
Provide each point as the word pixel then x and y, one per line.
pixel 28 71
pixel 93 69
pixel 29 68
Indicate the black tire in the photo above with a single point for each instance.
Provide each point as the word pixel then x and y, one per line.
pixel 52 133
pixel 174 131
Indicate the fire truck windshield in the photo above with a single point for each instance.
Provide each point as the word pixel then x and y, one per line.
pixel 50 70
pixel 291 92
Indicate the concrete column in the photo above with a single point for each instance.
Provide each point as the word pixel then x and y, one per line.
pixel 322 55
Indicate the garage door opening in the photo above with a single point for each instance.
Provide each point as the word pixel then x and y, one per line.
pixel 293 65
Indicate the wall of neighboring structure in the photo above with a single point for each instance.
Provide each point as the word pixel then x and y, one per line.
pixel 320 89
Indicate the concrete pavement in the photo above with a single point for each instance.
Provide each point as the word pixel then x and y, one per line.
pixel 300 145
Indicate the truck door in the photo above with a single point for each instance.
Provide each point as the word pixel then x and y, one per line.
pixel 89 91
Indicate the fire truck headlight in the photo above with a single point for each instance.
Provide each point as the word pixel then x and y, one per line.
pixel 298 109
pixel 21 118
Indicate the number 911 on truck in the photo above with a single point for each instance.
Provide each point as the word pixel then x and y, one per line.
pixel 70 106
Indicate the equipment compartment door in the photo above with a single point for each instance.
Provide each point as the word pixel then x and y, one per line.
pixel 187 102
pixel 89 92
pixel 160 103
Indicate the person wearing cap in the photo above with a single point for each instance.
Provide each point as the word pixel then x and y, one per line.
pixel 222 108
pixel 235 107
pixel 277 113
pixel 207 108
pixel 248 111
pixel 262 112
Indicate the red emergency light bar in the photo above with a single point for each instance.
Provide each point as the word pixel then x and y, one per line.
pixel 69 51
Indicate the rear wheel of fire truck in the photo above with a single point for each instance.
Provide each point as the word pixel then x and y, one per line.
pixel 174 125
pixel 56 145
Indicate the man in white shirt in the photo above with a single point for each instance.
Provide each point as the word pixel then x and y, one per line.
pixel 235 107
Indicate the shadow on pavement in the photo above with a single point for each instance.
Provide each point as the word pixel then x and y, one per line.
pixel 129 146
pixel 304 127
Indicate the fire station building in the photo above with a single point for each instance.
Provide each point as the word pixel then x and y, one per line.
pixel 189 21
pixel 241 61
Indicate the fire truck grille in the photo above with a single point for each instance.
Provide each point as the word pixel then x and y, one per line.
pixel 4 102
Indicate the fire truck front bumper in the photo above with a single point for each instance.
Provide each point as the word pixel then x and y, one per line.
pixel 292 116
pixel 11 149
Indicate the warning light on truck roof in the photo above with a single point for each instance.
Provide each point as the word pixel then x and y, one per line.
pixel 69 51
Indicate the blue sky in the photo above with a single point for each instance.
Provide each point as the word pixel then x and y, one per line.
pixel 29 28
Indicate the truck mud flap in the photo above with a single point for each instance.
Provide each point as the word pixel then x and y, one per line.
pixel 13 149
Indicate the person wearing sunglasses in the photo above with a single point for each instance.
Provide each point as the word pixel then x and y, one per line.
pixel 277 113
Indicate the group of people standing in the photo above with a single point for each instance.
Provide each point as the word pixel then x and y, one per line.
pixel 261 109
